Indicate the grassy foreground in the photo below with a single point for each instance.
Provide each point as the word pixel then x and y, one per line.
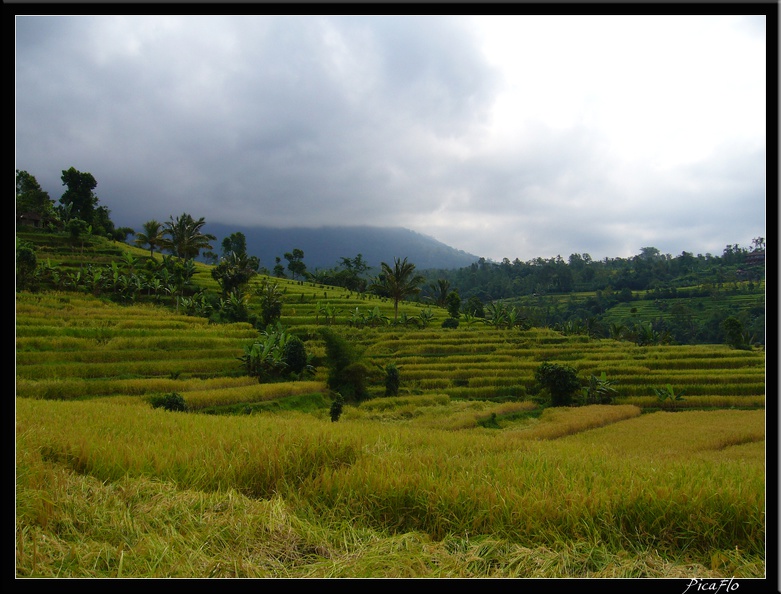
pixel 109 489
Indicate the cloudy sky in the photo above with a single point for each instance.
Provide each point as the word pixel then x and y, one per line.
pixel 504 136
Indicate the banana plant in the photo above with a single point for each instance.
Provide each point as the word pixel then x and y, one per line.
pixel 375 318
pixel 265 358
pixel 425 317
pixel 668 393
pixel 599 390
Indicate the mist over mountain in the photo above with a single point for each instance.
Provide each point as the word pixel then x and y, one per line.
pixel 324 247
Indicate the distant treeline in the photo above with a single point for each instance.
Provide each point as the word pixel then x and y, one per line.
pixel 683 275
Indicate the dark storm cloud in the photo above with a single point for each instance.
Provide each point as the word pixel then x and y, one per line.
pixel 394 120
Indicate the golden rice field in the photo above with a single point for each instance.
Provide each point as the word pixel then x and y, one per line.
pixel 460 475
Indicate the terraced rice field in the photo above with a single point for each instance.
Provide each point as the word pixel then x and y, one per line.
pixel 74 346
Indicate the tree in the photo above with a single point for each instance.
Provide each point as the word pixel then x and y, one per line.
pixel 441 290
pixel 392 379
pixel 77 229
pixel 184 238
pixel 294 355
pixel 350 277
pixel 151 236
pixel 453 303
pixel 30 197
pixel 26 264
pixel 734 334
pixel 398 282
pixel 234 272
pixel 270 302
pixel 279 270
pixel 336 408
pixel 80 194
pixel 474 307
pixel 296 265
pixel 347 374
pixel 237 243
pixel 560 380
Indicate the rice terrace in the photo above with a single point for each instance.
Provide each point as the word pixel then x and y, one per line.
pixel 169 428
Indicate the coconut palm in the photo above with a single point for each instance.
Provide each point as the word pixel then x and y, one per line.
pixel 151 236
pixel 184 238
pixel 440 290
pixel 397 282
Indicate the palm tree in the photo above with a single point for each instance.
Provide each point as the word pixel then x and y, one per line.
pixel 440 289
pixel 151 236
pixel 184 238
pixel 397 282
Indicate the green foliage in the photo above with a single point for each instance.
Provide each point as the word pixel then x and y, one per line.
pixel 294 355
pixel 347 375
pixel 329 311
pixel 79 195
pixel 26 265
pixel 271 302
pixel 235 271
pixel 233 308
pixel 151 236
pixel 474 307
pixel 450 323
pixel 173 402
pixel 183 236
pixel 425 317
pixel 561 381
pixel 266 358
pixel 599 390
pixel 31 198
pixel 296 265
pixel 349 274
pixel 372 318
pixel 336 408
pixel 490 422
pixel 77 228
pixel 397 282
pixel 453 304
pixel 668 393
pixel 392 379
pixel 734 334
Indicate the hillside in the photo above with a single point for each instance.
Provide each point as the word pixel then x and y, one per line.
pixel 467 472
pixel 324 247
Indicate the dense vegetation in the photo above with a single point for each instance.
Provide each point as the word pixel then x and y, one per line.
pixel 179 419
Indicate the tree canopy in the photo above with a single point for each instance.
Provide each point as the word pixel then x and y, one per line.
pixel 397 282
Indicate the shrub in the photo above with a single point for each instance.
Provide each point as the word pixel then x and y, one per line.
pixel 346 374
pixel 450 323
pixel 294 355
pixel 560 380
pixel 336 408
pixel 392 379
pixel 173 401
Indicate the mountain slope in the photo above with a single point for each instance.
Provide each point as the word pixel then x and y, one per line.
pixel 324 247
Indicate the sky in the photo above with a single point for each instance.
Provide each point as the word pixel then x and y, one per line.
pixel 506 136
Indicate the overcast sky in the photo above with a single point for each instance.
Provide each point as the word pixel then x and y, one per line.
pixel 504 136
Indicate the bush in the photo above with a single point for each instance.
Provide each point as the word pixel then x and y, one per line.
pixel 294 355
pixel 450 323
pixel 560 380
pixel 336 408
pixel 347 375
pixel 172 401
pixel 392 379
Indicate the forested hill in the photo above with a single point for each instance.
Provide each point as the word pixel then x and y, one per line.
pixel 324 247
